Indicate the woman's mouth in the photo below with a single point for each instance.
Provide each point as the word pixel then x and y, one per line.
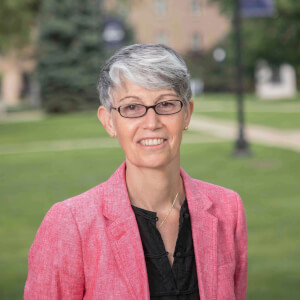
pixel 151 142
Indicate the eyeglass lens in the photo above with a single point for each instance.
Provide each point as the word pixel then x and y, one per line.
pixel 138 110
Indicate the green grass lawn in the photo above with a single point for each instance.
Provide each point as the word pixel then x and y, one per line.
pixel 282 114
pixel 272 119
pixel 57 127
pixel 268 183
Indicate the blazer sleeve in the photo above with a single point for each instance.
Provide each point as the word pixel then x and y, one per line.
pixel 240 276
pixel 55 264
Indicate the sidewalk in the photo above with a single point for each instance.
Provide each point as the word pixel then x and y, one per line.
pixel 287 139
pixel 26 116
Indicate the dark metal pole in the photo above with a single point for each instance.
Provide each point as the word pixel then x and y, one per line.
pixel 241 145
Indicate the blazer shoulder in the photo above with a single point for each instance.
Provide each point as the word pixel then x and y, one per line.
pixel 226 205
pixel 85 199
pixel 222 198
pixel 93 198
pixel 215 191
pixel 82 207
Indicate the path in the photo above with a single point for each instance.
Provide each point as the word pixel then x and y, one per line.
pixel 214 130
pixel 288 139
pixel 26 116
pixel 91 143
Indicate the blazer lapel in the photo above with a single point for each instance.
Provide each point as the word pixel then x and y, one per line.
pixel 123 233
pixel 204 231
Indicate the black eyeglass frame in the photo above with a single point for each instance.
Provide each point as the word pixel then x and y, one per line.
pixel 148 107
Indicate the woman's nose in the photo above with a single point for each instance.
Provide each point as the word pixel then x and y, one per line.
pixel 151 119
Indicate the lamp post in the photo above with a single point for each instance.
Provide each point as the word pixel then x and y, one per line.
pixel 241 144
pixel 247 9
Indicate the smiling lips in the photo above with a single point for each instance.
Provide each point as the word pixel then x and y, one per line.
pixel 151 142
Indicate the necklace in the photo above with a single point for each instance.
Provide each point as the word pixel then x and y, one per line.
pixel 165 218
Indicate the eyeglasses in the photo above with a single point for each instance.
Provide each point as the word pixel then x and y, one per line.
pixel 169 107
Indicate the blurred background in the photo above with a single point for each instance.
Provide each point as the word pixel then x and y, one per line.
pixel 52 146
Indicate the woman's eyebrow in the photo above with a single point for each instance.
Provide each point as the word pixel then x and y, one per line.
pixel 160 97
pixel 134 97
pixel 166 95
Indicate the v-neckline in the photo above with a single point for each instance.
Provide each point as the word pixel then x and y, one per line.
pixel 151 215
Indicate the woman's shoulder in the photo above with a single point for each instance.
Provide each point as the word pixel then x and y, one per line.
pixel 90 204
pixel 80 207
pixel 215 191
pixel 87 199
pixel 211 190
pixel 220 198
pixel 224 203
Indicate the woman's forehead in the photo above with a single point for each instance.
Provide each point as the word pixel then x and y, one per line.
pixel 135 91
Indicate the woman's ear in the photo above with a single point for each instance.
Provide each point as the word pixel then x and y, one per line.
pixel 105 118
pixel 188 113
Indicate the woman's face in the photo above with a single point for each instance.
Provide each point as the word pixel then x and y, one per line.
pixel 153 140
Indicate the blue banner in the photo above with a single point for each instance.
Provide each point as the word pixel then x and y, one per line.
pixel 257 8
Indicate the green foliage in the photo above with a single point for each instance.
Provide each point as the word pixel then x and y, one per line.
pixel 216 76
pixel 220 76
pixel 17 18
pixel 274 39
pixel 70 53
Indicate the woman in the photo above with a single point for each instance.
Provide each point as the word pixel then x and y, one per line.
pixel 150 231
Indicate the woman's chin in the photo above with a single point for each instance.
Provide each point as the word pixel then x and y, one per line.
pixel 154 162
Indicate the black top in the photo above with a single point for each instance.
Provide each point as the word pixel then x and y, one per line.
pixel 178 282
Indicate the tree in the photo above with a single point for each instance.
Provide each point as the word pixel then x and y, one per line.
pixel 274 39
pixel 217 76
pixel 17 28
pixel 70 53
pixel 17 18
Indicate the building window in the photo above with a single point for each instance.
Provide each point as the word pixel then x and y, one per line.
pixel 196 42
pixel 160 7
pixel 195 7
pixel 162 38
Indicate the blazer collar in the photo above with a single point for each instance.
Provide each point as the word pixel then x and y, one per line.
pixel 197 199
pixel 123 233
pixel 204 232
pixel 117 203
pixel 115 196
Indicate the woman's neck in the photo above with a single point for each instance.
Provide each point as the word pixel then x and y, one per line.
pixel 154 189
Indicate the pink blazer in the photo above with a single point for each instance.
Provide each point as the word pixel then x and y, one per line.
pixel 88 247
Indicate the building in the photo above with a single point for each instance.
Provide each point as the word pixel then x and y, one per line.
pixel 189 25
pixel 14 66
pixel 185 25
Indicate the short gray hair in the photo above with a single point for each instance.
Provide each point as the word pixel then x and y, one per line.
pixel 152 66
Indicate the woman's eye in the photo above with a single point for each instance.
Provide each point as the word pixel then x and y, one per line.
pixel 131 107
pixel 166 104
